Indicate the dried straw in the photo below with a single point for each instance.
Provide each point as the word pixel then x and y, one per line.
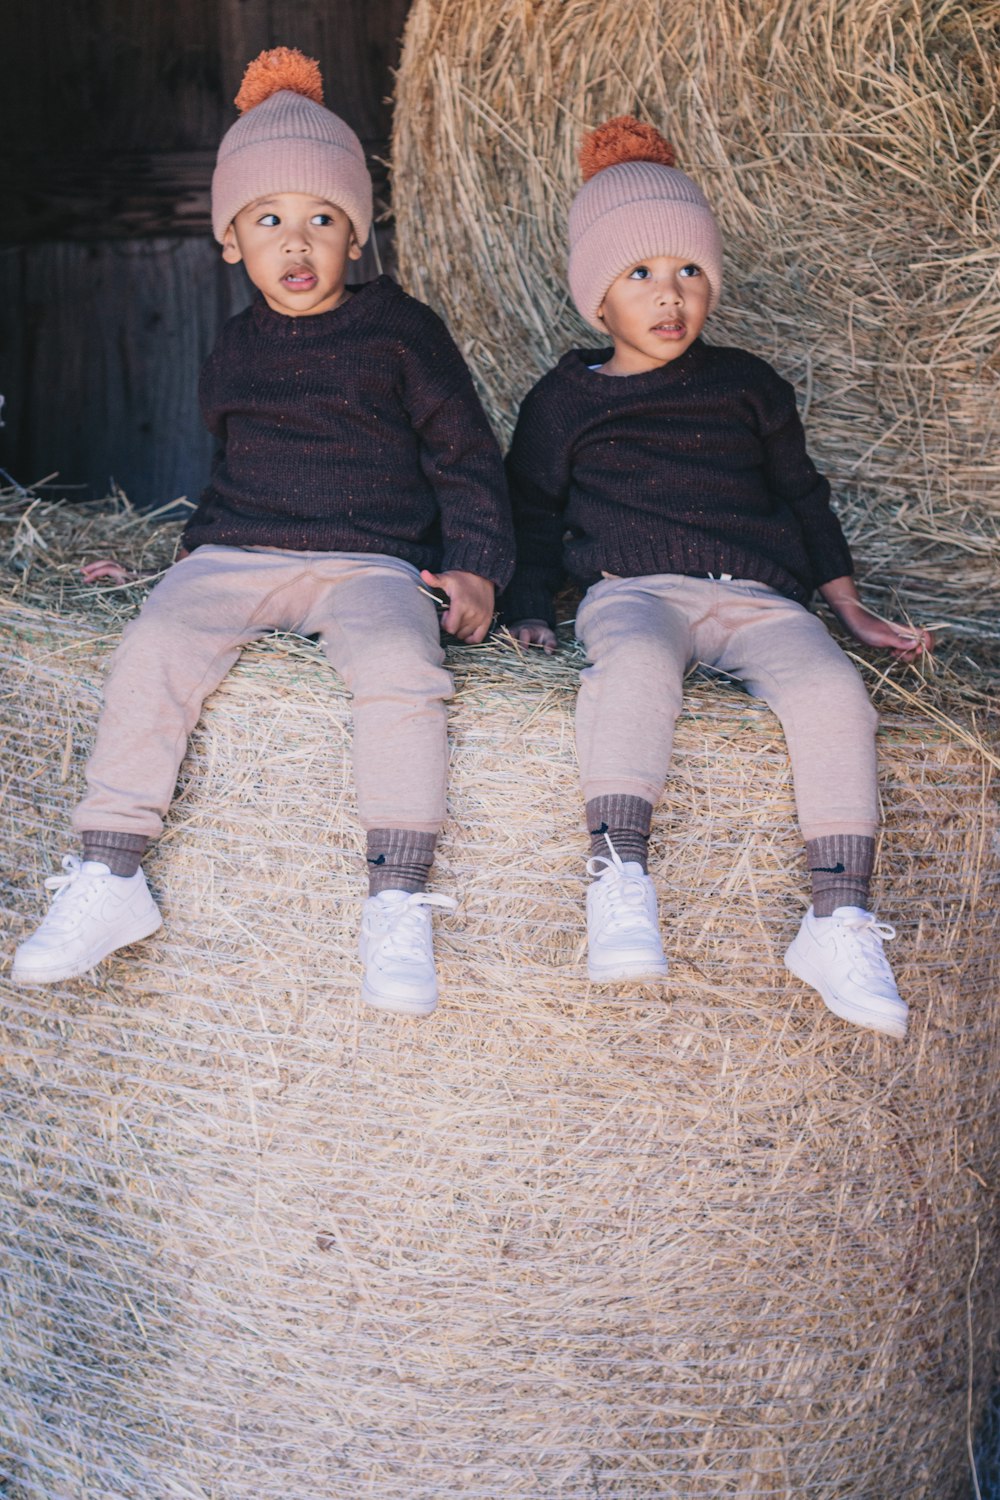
pixel 851 151
pixel 259 1241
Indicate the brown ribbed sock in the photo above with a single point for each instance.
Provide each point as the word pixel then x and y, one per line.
pixel 399 859
pixel 840 868
pixel 625 821
pixel 121 852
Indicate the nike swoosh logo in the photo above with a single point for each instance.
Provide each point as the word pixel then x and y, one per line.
pixel 379 861
pixel 837 869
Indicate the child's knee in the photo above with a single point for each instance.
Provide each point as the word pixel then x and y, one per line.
pixel 844 699
pixel 395 664
pixel 637 663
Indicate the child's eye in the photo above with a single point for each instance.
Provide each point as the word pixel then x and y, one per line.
pixel 639 273
pixel 321 219
pixel 269 220
pixel 691 270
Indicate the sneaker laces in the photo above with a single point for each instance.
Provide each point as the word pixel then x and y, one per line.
pixel 406 936
pixel 865 937
pixel 623 895
pixel 66 901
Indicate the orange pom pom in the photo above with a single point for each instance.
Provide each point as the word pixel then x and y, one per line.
pixel 279 68
pixel 623 139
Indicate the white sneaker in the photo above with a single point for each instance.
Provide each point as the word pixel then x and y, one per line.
pixel 93 912
pixel 623 933
pixel 396 947
pixel 841 956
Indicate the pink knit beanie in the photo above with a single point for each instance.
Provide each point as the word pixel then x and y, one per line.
pixel 635 203
pixel 285 141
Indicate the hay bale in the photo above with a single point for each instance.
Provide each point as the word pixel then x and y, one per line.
pixel 259 1241
pixel 850 151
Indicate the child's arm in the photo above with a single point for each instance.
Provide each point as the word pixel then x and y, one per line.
pixel 904 641
pixel 461 458
pixel 793 477
pixel 538 474
pixel 462 462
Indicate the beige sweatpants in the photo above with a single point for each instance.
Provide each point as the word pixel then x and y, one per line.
pixel 642 634
pixel 377 629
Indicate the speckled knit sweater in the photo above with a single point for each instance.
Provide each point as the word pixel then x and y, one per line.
pixel 356 430
pixel 698 467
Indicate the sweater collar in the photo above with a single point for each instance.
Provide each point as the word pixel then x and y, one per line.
pixel 277 325
pixel 577 363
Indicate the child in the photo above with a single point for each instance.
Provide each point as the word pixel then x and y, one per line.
pixel 671 480
pixel 354 460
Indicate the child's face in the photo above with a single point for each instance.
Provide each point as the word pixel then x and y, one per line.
pixel 654 311
pixel 295 249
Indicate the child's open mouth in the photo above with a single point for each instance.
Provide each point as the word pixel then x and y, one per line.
pixel 669 330
pixel 299 279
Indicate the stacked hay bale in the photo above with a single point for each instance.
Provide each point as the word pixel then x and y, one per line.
pixel 261 1243
pixel 850 150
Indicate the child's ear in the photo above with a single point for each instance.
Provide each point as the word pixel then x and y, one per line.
pixel 353 248
pixel 231 252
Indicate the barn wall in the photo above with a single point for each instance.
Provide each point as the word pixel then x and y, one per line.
pixel 111 287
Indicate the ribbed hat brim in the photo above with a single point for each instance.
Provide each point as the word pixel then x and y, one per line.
pixel 631 212
pixel 288 144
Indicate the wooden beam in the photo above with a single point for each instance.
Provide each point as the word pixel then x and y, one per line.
pixel 128 195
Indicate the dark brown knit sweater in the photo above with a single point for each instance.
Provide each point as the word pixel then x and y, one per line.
pixel 698 467
pixel 356 430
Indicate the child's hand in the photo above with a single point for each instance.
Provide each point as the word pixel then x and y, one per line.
pixel 106 568
pixel 534 633
pixel 470 612
pixel 906 642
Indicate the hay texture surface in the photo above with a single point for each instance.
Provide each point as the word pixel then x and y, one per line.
pixel 850 151
pixel 260 1242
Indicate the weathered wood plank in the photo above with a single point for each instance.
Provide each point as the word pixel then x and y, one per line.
pixel 100 348
pixel 104 385
pixel 160 75
pixel 126 196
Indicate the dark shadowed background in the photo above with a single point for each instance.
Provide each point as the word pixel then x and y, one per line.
pixel 111 286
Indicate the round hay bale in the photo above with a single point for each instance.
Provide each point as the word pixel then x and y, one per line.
pixel 257 1240
pixel 850 152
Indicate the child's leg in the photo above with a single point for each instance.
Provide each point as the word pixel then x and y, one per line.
pixel 381 634
pixel 190 632
pixel 638 642
pixel 186 638
pixel 786 656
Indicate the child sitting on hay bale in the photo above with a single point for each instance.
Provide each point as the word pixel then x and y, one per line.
pixel 354 460
pixel 671 480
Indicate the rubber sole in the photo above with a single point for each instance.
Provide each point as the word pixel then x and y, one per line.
pixel 35 978
pixel 856 1014
pixel 627 971
pixel 397 1006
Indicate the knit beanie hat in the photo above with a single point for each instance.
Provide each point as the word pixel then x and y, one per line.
pixel 635 204
pixel 285 141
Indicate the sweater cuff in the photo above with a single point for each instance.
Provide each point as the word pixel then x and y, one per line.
pixel 527 600
pixel 472 557
pixel 834 563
